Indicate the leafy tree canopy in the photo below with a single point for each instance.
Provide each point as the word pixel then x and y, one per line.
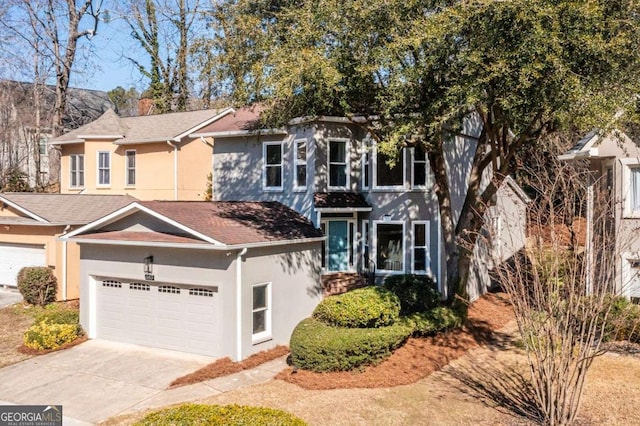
pixel 524 68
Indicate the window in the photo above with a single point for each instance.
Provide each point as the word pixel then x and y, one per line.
pixel 630 187
pixel 323 248
pixel 272 156
pixel 421 261
pixel 634 189
pixel 261 311
pixel 338 165
pixel 301 164
pixel 130 168
pixel 42 145
pixel 365 168
pixel 104 168
pixel 388 176
pixel 365 244
pixel 419 179
pixel 389 246
pixel 76 169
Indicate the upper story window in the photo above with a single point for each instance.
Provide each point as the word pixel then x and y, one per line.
pixel 630 187
pixel 272 163
pixel 420 173
pixel 386 175
pixel 76 170
pixel 634 189
pixel 338 164
pixel 300 161
pixel 130 179
pixel 104 168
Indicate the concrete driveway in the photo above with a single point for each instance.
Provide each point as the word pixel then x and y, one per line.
pixel 98 379
pixel 9 297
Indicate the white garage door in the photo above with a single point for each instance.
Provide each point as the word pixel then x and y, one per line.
pixel 14 257
pixel 168 316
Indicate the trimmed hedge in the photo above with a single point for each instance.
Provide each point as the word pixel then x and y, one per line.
pixel 37 284
pixel 237 415
pixel 319 347
pixel 624 321
pixel 417 293
pixel 367 307
pixel 437 319
pixel 59 314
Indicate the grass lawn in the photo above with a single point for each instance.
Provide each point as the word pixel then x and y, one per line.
pixel 14 320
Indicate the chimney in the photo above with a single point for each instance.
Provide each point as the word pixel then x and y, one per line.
pixel 145 106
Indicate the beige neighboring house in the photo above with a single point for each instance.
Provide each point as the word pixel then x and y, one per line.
pixel 148 157
pixel 614 191
pixel 30 224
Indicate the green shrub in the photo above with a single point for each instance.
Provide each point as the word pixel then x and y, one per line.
pixel 437 319
pixel 623 322
pixel 417 293
pixel 232 415
pixel 59 314
pixel 367 307
pixel 318 346
pixel 47 335
pixel 37 285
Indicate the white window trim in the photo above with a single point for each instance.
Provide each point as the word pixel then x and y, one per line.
pixel 627 275
pixel 71 171
pixel 264 167
pixel 347 159
pixel 373 250
pixel 627 165
pixel 427 169
pixel 297 162
pixel 266 334
pixel 388 188
pixel 365 162
pixel 427 240
pixel 126 168
pixel 98 184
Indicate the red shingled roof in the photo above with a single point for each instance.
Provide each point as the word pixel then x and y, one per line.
pixel 243 119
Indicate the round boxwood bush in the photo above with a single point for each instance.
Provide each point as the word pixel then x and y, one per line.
pixel 318 346
pixel 232 415
pixel 37 285
pixel 417 293
pixel 59 314
pixel 441 318
pixel 362 308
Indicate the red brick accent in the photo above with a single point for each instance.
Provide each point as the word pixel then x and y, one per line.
pixel 341 282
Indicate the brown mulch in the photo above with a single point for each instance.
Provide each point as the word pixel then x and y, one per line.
pixel 30 351
pixel 225 366
pixel 562 233
pixel 419 357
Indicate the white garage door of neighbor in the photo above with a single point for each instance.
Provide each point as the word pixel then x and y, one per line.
pixel 160 315
pixel 14 257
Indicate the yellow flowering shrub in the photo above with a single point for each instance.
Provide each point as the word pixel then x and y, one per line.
pixel 48 335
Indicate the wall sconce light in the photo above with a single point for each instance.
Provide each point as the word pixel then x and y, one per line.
pixel 148 265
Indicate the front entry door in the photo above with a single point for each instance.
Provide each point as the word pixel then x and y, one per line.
pixel 338 245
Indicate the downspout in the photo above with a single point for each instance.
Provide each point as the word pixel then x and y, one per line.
pixel 239 303
pixel 64 264
pixel 175 169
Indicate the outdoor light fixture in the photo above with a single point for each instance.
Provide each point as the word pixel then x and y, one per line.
pixel 148 265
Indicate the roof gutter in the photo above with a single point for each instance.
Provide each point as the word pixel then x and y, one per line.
pixel 198 246
pixel 175 169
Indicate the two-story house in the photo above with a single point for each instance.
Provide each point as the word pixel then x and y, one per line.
pixel 614 199
pixel 377 215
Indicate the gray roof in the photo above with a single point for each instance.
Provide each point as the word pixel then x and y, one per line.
pixel 61 209
pixel 140 129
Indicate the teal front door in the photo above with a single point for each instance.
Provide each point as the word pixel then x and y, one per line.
pixel 338 245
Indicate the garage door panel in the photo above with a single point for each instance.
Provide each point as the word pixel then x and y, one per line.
pixel 14 257
pixel 167 316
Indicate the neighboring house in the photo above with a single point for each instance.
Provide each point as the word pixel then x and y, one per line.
pixel 29 225
pixel 148 157
pixel 377 218
pixel 24 131
pixel 214 278
pixel 614 195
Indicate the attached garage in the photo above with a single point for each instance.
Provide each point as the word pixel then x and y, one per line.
pixel 222 279
pixel 14 257
pixel 167 316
